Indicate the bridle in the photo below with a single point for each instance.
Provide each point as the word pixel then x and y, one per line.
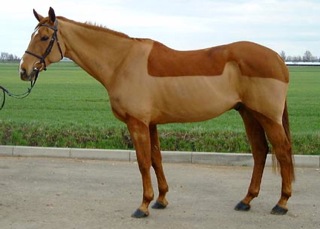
pixel 35 69
pixel 54 38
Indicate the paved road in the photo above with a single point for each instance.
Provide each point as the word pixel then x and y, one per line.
pixel 69 193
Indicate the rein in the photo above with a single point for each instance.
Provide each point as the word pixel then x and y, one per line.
pixel 42 61
pixel 18 96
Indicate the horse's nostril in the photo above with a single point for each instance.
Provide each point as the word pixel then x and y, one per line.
pixel 23 73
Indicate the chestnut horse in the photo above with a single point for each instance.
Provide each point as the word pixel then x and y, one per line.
pixel 149 84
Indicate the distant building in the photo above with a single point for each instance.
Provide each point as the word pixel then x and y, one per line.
pixel 300 63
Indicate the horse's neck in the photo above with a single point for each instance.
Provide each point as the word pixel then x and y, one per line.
pixel 98 51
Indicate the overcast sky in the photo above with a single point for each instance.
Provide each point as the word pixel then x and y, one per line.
pixel 291 26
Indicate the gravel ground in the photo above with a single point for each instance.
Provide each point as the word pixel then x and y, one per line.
pixel 70 193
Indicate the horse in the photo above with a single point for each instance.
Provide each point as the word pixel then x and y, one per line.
pixel 149 83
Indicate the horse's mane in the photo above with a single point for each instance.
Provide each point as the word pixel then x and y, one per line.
pixel 95 26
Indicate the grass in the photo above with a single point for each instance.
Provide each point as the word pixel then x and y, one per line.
pixel 68 108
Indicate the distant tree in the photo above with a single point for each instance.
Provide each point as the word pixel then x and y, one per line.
pixel 307 57
pixel 4 56
pixel 283 55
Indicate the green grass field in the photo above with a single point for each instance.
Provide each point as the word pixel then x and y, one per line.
pixel 68 108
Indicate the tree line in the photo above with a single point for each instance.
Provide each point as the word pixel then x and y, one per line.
pixel 4 57
pixel 307 57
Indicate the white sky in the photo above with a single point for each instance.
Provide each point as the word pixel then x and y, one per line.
pixel 291 26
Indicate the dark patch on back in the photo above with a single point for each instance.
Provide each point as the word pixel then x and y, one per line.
pixel 164 61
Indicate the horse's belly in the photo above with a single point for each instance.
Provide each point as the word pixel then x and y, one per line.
pixel 191 113
pixel 193 99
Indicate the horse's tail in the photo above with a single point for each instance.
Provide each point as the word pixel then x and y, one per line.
pixel 285 122
pixel 286 126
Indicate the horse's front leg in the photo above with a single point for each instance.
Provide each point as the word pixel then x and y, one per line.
pixel 161 202
pixel 140 136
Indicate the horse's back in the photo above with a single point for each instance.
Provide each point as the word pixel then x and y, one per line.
pixel 254 60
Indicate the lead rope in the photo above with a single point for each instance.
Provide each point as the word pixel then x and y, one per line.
pixel 17 96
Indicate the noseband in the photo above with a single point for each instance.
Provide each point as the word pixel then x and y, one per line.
pixel 49 48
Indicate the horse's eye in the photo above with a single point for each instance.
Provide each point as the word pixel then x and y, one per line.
pixel 44 38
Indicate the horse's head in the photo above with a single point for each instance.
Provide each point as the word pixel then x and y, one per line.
pixel 44 48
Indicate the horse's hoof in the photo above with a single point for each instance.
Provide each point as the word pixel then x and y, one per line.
pixel 139 214
pixel 242 207
pixel 158 205
pixel 277 210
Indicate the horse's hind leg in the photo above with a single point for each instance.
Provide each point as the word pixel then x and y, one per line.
pixel 259 148
pixel 282 149
pixel 157 166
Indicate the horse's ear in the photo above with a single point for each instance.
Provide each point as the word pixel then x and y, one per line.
pixel 52 15
pixel 38 16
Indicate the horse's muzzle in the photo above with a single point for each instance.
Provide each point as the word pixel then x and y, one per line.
pixel 28 77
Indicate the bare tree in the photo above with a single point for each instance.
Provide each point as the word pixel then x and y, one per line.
pixel 307 57
pixel 283 55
